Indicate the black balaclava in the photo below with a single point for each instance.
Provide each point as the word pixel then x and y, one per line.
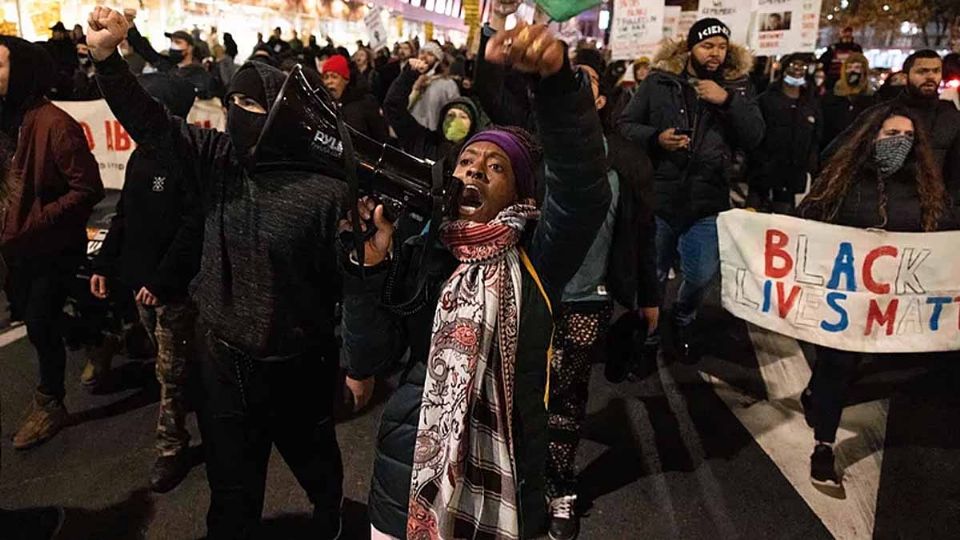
pixel 243 126
pixel 31 77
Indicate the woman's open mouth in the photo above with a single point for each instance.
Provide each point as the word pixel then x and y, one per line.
pixel 471 200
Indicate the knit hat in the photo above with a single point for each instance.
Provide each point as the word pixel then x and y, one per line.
pixel 337 64
pixel 521 160
pixel 705 29
pixel 432 48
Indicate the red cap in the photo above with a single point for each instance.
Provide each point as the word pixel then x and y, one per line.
pixel 337 64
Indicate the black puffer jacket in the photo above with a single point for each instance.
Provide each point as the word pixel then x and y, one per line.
pixel 374 337
pixel 791 142
pixel 839 113
pixel 362 112
pixel 268 280
pixel 693 184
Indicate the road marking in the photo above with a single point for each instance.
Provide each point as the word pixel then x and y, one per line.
pixel 779 428
pixel 14 334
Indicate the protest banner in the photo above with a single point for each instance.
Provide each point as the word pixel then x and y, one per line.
pixel 671 22
pixel 842 287
pixel 686 20
pixel 734 13
pixel 785 26
pixel 111 145
pixel 376 31
pixel 637 28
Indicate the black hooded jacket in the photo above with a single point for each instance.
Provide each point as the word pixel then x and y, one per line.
pixel 791 143
pixel 362 112
pixel 205 85
pixel 693 184
pixel 268 280
pixel 32 74
pixel 155 236
pixel 414 138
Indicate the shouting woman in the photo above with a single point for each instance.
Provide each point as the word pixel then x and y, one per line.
pixel 463 441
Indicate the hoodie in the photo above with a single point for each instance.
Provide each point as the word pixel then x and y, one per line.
pixel 846 102
pixel 60 179
pixel 414 138
pixel 692 184
pixel 268 281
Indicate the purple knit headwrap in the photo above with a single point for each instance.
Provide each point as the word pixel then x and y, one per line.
pixel 520 159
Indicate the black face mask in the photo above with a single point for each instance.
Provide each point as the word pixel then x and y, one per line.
pixel 244 128
pixel 175 56
pixel 853 79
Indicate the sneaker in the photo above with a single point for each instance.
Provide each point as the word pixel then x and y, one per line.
pixel 168 472
pixel 98 361
pixel 46 418
pixel 564 522
pixel 806 401
pixel 40 523
pixel 823 471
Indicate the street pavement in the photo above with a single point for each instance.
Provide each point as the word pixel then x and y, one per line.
pixel 714 450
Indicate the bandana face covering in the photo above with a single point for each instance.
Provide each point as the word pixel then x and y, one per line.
pixel 891 153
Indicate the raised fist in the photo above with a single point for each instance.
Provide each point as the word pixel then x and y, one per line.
pixel 527 48
pixel 505 7
pixel 107 28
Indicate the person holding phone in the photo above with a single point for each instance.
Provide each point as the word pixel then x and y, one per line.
pixel 691 114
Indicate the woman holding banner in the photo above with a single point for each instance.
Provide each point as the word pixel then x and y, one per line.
pixel 884 177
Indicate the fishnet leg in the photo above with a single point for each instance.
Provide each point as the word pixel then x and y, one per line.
pixel 579 332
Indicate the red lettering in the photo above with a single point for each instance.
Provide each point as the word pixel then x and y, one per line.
pixel 868 281
pixel 108 126
pixel 776 241
pixel 122 141
pixel 88 133
pixel 887 317
pixel 785 305
pixel 957 299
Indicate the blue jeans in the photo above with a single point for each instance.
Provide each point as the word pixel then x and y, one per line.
pixel 699 262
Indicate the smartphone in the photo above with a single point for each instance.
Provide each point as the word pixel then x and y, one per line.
pixel 683 131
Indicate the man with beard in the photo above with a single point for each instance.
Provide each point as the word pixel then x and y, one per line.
pixel 434 89
pixel 692 113
pixel 849 98
pixel 265 294
pixel 837 54
pixel 939 119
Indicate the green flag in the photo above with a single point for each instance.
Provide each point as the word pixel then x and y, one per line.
pixel 561 10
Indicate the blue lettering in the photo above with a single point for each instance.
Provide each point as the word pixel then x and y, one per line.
pixel 767 285
pixel 833 300
pixel 843 265
pixel 938 303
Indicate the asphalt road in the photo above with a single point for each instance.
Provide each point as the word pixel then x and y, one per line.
pixel 706 451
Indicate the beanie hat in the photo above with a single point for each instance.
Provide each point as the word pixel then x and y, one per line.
pixel 337 64
pixel 522 161
pixel 432 48
pixel 705 29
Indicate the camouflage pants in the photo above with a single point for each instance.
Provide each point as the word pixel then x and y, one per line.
pixel 171 327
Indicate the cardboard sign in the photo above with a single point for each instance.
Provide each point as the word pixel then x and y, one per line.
pixel 377 32
pixel 734 13
pixel 637 28
pixel 671 22
pixel 785 26
pixel 110 143
pixel 841 287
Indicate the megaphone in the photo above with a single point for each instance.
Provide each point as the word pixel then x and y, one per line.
pixel 304 129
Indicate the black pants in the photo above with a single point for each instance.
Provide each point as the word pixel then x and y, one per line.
pixel 37 290
pixel 251 405
pixel 828 387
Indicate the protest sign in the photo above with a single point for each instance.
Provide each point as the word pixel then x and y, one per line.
pixel 111 145
pixel 686 20
pixel 785 26
pixel 637 28
pixel 671 22
pixel 734 13
pixel 841 287
pixel 376 31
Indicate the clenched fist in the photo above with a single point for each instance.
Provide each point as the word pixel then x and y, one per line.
pixel 527 48
pixel 107 28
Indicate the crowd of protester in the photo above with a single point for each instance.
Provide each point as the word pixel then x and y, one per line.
pixel 585 190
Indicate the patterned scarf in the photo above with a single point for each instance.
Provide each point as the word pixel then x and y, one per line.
pixel 463 483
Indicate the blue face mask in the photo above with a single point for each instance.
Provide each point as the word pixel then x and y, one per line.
pixel 794 81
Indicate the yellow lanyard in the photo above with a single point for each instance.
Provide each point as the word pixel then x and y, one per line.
pixel 536 279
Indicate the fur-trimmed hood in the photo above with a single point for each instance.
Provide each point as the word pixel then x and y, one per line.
pixel 843 88
pixel 673 54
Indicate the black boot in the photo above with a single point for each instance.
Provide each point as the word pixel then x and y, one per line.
pixel 564 521
pixel 823 470
pixel 168 472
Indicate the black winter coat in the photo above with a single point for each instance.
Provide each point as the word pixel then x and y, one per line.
pixel 268 281
pixel 790 144
pixel 693 184
pixel 361 111
pixel 204 84
pixel 374 337
pixel 839 112
pixel 156 235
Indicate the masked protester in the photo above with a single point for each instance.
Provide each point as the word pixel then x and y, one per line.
pixel 851 96
pixel 692 114
pixel 882 177
pixel 180 60
pixel 779 167
pixel 44 234
pixel 619 268
pixel 151 252
pixel 359 106
pixel 893 86
pixel 63 51
pixel 484 319
pixel 837 55
pixel 265 293
pixel 458 120
pixel 433 88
